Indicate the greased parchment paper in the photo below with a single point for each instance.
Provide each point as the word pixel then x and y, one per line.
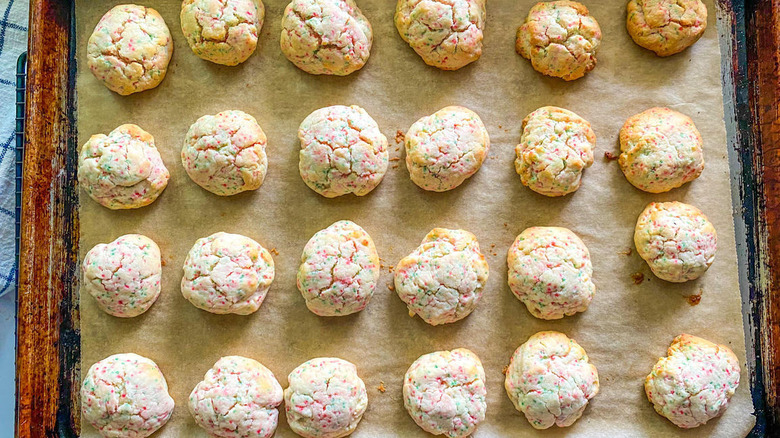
pixel 625 330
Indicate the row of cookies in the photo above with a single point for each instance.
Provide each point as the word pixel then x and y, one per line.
pixel 131 46
pixel 549 379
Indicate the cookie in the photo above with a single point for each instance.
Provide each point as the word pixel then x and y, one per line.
pixel 555 148
pixel 125 396
pixel 550 272
pixel 550 380
pixel 222 31
pixel 666 26
pixel 237 399
pixel 227 273
pixel 694 382
pixel 330 37
pixel 676 240
pixel 123 276
pixel 225 153
pixel 339 270
pixel 445 394
pixel 123 169
pixel 660 149
pixel 342 151
pixel 442 280
pixel 446 148
pixel 325 399
pixel 560 38
pixel 446 34
pixel 129 49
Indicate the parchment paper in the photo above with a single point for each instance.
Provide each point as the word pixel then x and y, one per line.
pixel 625 330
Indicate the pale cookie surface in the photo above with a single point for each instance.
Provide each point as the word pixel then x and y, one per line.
pixel 442 280
pixel 225 153
pixel 330 37
pixel 339 270
pixel 125 396
pixel 325 399
pixel 445 33
pixel 342 151
pixel 446 148
pixel 550 272
pixel 694 382
pixel 227 273
pixel 129 49
pixel 666 26
pixel 560 38
pixel 676 240
pixel 123 276
pixel 660 149
pixel 555 148
pixel 122 169
pixel 445 394
pixel 222 31
pixel 237 399
pixel 550 380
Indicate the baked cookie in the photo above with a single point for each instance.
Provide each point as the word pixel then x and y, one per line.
pixel 123 276
pixel 227 273
pixel 555 148
pixel 125 396
pixel 442 280
pixel 447 34
pixel 342 151
pixel 560 38
pixel 123 169
pixel 330 37
pixel 445 394
pixel 222 31
pixel 237 399
pixel 325 399
pixel 129 49
pixel 676 240
pixel 660 149
pixel 446 148
pixel 225 153
pixel 666 26
pixel 694 382
pixel 550 272
pixel 550 380
pixel 339 270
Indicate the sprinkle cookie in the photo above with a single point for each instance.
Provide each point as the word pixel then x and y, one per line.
pixel 125 396
pixel 445 394
pixel 129 49
pixel 666 26
pixel 222 31
pixel 227 273
pixel 550 380
pixel 442 280
pixel 446 148
pixel 342 151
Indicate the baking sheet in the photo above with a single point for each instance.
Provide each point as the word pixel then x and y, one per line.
pixel 626 328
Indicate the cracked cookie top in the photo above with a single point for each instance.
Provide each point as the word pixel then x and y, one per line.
pixel 222 31
pixel 694 382
pixel 125 396
pixel 330 37
pixel 555 148
pixel 666 26
pixel 560 38
pixel 445 394
pixel 342 151
pixel 325 399
pixel 676 240
pixel 446 148
pixel 550 380
pixel 129 49
pixel 445 33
